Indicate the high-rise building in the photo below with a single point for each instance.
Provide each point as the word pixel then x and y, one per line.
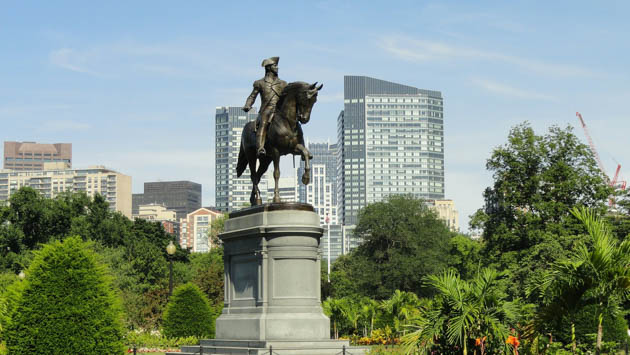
pixel 159 213
pixel 390 138
pixel 29 156
pixel 155 212
pixel 287 187
pixel 194 229
pixel 182 197
pixel 231 192
pixel 322 191
pixel 113 186
pixel 446 211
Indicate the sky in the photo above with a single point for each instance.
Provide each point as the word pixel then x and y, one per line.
pixel 134 85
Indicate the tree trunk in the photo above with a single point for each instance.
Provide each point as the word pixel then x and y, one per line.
pixel 573 345
pixel 600 332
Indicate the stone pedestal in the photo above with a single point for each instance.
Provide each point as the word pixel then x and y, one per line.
pixel 272 275
pixel 272 286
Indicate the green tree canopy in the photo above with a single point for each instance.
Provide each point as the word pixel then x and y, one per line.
pixel 208 273
pixel 537 180
pixel 66 305
pixel 402 241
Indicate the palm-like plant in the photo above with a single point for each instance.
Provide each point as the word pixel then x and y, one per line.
pixel 351 309
pixel 599 273
pixel 369 310
pixel 333 309
pixel 461 312
pixel 402 308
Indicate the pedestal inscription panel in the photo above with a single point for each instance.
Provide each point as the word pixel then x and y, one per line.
pixel 244 277
pixel 295 283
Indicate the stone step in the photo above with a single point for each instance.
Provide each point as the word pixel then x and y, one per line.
pixel 277 347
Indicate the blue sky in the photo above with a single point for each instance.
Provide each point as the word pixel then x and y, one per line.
pixel 134 85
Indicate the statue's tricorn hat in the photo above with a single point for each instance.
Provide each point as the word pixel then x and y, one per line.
pixel 270 61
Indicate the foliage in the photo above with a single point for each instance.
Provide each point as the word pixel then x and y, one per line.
pixel 402 241
pixel 386 350
pixel 379 337
pixel 216 227
pixel 188 313
pixel 464 255
pixel 156 340
pixel 66 305
pixel 401 309
pixel 462 312
pixel 208 273
pixel 333 309
pixel 537 180
pixel 595 273
pixel 135 250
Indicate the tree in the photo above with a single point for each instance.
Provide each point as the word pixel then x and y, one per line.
pixel 400 309
pixel 461 312
pixel 216 227
pixel 402 241
pixel 208 273
pixel 28 212
pixel 351 310
pixel 537 180
pixel 464 255
pixel 333 309
pixel 594 273
pixel 188 313
pixel 66 305
pixel 369 312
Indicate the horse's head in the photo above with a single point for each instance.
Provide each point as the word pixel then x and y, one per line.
pixel 306 98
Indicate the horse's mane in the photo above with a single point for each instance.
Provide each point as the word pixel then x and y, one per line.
pixel 289 89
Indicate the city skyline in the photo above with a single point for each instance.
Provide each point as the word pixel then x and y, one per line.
pixel 132 86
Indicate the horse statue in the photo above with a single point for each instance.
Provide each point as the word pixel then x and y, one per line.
pixel 284 136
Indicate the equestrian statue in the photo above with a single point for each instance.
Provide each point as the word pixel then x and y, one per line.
pixel 277 131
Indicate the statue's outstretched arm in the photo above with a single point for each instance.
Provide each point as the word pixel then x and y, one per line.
pixel 251 99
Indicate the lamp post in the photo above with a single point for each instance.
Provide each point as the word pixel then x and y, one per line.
pixel 328 246
pixel 170 250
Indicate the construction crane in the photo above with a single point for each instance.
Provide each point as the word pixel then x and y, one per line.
pixel 620 184
pixel 612 183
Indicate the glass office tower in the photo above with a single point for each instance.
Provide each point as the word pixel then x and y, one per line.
pixel 390 141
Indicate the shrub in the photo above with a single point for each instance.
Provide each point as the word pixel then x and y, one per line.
pixel 66 305
pixel 188 313
pixel 156 340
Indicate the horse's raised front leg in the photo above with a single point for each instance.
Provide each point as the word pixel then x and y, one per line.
pixel 276 176
pixel 306 156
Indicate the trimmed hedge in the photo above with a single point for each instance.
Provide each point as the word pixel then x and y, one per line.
pixel 66 305
pixel 188 313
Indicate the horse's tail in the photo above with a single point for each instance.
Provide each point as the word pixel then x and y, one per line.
pixel 242 161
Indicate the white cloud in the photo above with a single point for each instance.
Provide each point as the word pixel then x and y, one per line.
pixel 63 126
pixel 182 59
pixel 70 59
pixel 507 90
pixel 418 50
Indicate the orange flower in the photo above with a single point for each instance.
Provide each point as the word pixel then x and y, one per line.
pixel 512 340
pixel 477 342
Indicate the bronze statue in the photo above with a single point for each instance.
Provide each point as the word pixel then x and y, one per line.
pixel 270 87
pixel 280 123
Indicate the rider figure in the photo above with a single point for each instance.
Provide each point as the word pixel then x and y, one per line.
pixel 270 87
